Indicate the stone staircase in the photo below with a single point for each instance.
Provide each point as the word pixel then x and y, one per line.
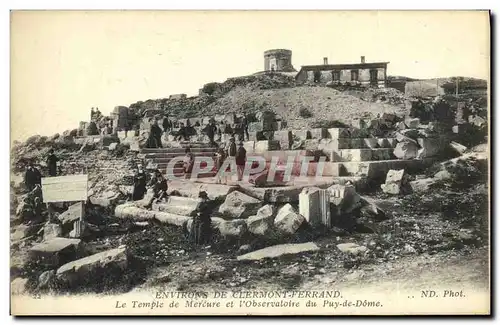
pixel 161 157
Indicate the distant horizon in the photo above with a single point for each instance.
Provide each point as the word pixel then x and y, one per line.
pixel 65 62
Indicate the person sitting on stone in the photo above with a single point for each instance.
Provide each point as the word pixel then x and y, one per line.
pixel 167 125
pixel 160 188
pixel 182 133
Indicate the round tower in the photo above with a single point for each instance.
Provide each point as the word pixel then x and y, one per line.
pixel 278 60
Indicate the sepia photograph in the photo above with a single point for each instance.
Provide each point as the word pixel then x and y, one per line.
pixel 211 162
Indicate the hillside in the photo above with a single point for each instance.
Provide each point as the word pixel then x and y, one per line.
pixel 324 104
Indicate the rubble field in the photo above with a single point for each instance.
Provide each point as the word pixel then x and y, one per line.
pixel 405 198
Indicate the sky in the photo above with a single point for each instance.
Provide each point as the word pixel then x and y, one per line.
pixel 65 62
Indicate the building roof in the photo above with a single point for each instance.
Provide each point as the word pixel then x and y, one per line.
pixel 344 66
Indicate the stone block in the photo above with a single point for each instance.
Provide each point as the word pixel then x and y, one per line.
pixel 288 221
pixel 261 223
pixel 51 231
pixel 279 250
pixel 239 205
pixel 458 147
pixel 412 123
pixel 130 211
pixel 249 146
pixel 19 286
pixel 312 144
pixel 232 228
pixel 74 213
pixel 314 205
pixel 84 270
pixel 338 133
pixel 319 133
pixel 302 134
pixel 268 145
pixel 56 251
pixel 371 143
pixel 356 154
pixel 285 139
pixel 171 218
pixel 344 198
pixel 422 185
pixel 177 205
pixel 352 248
pixel 406 150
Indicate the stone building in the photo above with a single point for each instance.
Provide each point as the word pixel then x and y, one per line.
pixel 278 60
pixel 366 74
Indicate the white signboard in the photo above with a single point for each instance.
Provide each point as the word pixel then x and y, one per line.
pixel 64 188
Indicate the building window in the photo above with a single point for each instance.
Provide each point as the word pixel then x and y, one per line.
pixel 354 75
pixel 317 76
pixel 336 75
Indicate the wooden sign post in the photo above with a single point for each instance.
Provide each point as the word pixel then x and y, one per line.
pixel 67 189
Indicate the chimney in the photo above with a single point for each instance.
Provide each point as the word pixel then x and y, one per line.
pixel 325 61
pixel 362 59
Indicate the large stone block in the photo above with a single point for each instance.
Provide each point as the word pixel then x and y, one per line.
pixel 337 133
pixel 288 221
pixel 285 138
pixel 239 205
pixel 406 150
pixel 19 286
pixel 177 205
pixel 261 223
pixel 268 145
pixel 302 134
pixel 279 250
pixel 51 231
pixel 56 251
pixel 249 146
pixel 319 133
pixel 344 198
pixel 71 215
pixel 232 228
pixel 84 270
pixel 171 218
pixel 314 205
pixel 130 211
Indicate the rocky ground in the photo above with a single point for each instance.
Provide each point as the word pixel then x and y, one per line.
pixel 441 228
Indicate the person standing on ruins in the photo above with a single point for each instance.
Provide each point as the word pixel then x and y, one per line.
pixel 211 129
pixel 155 134
pixel 244 123
pixel 201 228
pixel 220 156
pixel 139 184
pixel 241 159
pixel 188 163
pixel 92 114
pixel 32 177
pixel 52 163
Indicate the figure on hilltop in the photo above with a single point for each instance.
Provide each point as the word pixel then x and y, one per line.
pixel 52 163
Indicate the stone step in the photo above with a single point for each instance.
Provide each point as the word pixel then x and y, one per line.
pixel 170 154
pixel 177 150
pixel 329 145
pixel 362 154
pixel 374 169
